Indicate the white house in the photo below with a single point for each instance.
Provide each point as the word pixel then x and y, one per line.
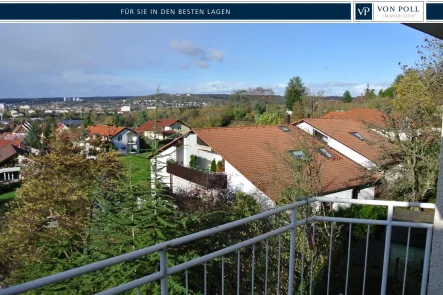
pixel 249 161
pixel 12 160
pixel 165 128
pixel 348 137
pixel 124 109
pixel 123 139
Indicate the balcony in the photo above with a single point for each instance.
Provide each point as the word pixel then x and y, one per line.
pixel 200 177
pixel 252 268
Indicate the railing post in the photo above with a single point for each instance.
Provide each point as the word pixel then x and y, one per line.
pixel 435 284
pixel 292 253
pixel 163 270
pixel 384 282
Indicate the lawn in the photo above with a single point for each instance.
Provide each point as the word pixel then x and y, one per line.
pixel 139 168
pixel 7 196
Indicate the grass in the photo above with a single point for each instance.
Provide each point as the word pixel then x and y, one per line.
pixel 7 196
pixel 4 198
pixel 138 166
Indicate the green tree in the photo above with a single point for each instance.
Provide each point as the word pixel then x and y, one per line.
pixel 295 90
pixel 239 97
pixel 269 118
pixel 118 120
pixel 87 121
pixel 193 161
pixel 213 167
pixel 347 97
pixel 32 137
pixel 143 117
pixel 55 200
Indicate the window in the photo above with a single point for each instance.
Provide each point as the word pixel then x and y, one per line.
pixel 120 138
pixel 325 153
pixel 320 135
pixel 297 154
pixel 356 134
pixel 284 128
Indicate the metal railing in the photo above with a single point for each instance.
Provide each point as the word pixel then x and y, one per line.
pixel 290 227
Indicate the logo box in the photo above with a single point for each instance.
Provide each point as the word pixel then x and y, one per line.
pixel 363 11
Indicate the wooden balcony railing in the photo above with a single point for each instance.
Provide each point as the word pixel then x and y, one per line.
pixel 203 178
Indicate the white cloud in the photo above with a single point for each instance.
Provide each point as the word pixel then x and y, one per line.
pixel 187 48
pixel 215 54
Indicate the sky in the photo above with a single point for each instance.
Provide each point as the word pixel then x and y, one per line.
pixel 56 60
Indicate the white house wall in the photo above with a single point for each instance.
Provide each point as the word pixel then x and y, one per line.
pixel 127 135
pixel 339 147
pixel 238 182
pixel 364 194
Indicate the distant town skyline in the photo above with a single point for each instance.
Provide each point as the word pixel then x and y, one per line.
pixel 79 60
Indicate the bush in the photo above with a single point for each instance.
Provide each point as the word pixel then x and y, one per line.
pixel 193 162
pixel 213 167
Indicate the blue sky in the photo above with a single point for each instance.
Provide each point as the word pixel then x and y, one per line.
pixel 42 60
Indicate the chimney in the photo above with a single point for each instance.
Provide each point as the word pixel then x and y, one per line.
pixel 287 118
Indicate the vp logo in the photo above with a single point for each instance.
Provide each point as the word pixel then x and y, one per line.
pixel 363 11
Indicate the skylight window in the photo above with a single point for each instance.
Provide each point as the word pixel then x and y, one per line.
pixel 297 154
pixel 325 153
pixel 284 128
pixel 356 134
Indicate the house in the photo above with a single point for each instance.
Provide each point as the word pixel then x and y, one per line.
pixel 349 137
pixel 67 124
pixel 371 117
pixel 12 160
pixel 72 123
pixel 165 128
pixel 248 157
pixel 13 139
pixel 22 129
pixel 123 139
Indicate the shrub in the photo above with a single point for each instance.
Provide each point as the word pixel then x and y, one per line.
pixel 213 167
pixel 193 162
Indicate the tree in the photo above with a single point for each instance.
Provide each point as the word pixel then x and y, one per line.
pixel 32 137
pixel 347 97
pixel 295 90
pixel 193 162
pixel 49 214
pixel 118 120
pixel 143 117
pixel 269 118
pixel 239 97
pixel 213 167
pixel 87 121
pixel 411 161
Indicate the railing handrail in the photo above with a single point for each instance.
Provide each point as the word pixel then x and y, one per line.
pixel 202 234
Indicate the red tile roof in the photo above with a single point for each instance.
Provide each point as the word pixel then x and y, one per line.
pixel 149 125
pixel 7 151
pixel 254 151
pixel 367 116
pixel 339 129
pixel 10 138
pixel 105 130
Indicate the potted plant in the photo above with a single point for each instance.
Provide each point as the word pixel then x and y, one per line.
pixel 220 167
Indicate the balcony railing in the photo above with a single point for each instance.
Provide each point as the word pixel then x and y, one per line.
pixel 296 228
pixel 200 177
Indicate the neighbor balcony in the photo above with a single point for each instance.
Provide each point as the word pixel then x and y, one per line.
pixel 201 177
